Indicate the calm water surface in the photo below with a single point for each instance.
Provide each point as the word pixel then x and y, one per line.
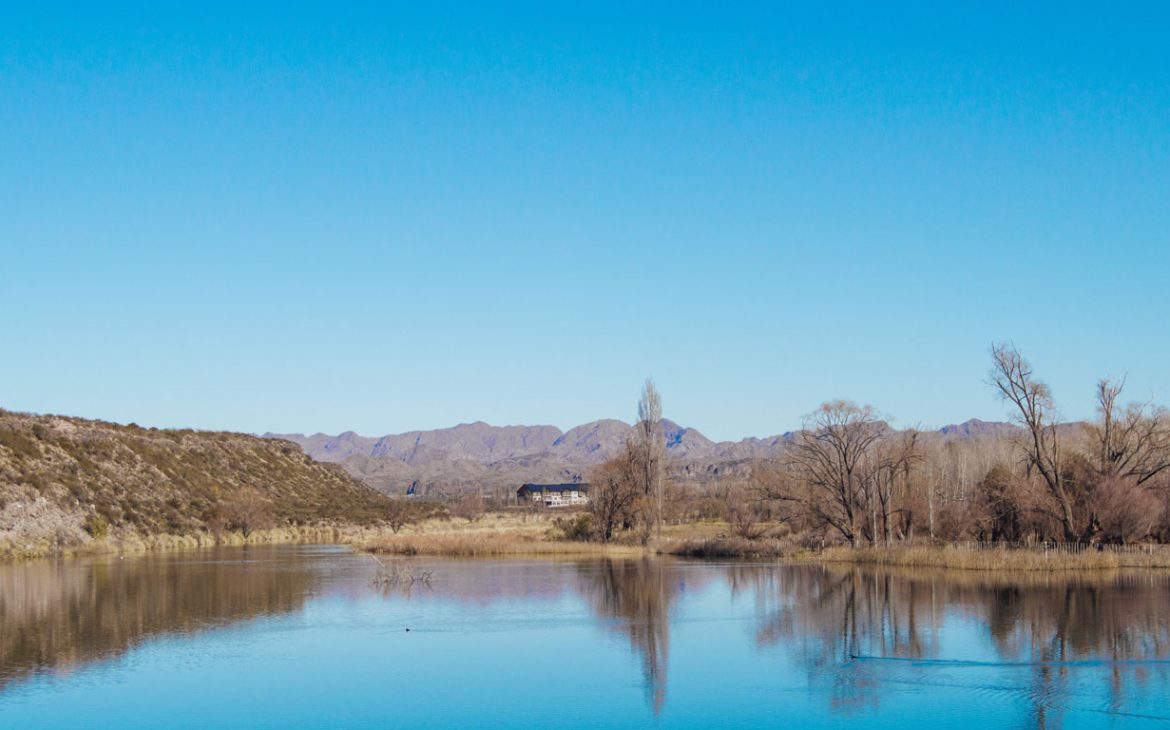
pixel 298 637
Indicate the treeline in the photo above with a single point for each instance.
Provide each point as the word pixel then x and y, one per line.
pixel 848 477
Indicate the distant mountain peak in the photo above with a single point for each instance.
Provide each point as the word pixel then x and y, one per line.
pixel 977 427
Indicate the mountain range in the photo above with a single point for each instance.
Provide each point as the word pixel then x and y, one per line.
pixel 450 460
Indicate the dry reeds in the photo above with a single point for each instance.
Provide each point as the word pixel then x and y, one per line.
pixel 959 558
pixel 729 547
pixel 481 543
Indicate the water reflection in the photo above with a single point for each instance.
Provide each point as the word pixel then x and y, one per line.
pixel 866 644
pixel 58 615
pixel 848 626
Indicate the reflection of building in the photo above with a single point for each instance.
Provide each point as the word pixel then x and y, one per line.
pixel 553 495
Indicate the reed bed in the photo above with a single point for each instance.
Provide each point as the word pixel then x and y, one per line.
pixel 491 535
pixel 723 547
pixel 484 544
pixel 960 558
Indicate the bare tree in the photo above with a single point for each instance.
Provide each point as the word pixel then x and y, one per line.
pixel 1132 445
pixel 248 509
pixel 1133 442
pixel 1012 376
pixel 650 449
pixel 890 472
pixel 614 493
pixel 830 455
pixel 401 512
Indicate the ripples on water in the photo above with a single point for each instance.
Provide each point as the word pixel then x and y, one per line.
pixel 297 637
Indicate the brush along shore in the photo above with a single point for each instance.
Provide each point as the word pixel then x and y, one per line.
pixel 549 535
pixel 11 551
pixel 496 535
pixel 499 535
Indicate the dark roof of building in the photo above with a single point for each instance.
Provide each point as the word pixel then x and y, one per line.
pixel 580 486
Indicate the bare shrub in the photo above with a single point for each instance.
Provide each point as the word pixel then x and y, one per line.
pixel 745 513
pixel 1125 511
pixel 469 506
pixel 247 510
pixel 575 527
pixel 405 511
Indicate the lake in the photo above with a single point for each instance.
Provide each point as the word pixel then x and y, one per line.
pixel 303 637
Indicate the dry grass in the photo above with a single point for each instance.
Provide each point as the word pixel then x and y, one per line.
pixel 488 544
pixel 492 534
pixel 953 558
pixel 723 547
pixel 535 533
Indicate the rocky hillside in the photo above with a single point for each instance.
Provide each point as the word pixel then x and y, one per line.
pixel 450 460
pixel 69 480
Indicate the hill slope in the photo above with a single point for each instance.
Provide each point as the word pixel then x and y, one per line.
pixel 68 479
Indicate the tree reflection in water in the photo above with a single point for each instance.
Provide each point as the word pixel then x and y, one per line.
pixel 843 623
pixel 636 596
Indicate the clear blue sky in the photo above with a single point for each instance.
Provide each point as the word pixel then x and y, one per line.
pixel 307 217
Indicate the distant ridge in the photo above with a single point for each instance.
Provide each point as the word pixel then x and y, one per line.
pixel 479 454
pixel 976 427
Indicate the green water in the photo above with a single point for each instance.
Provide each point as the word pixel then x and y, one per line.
pixel 300 637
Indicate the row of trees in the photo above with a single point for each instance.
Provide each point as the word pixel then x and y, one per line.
pixel 848 473
pixel 848 476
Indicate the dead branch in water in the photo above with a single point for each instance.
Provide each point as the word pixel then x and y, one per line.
pixel 398 574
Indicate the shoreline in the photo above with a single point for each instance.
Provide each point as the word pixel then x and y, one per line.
pixel 17 552
pixel 502 543
pixel 502 535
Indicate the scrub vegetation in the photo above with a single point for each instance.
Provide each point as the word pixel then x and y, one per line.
pixel 75 485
